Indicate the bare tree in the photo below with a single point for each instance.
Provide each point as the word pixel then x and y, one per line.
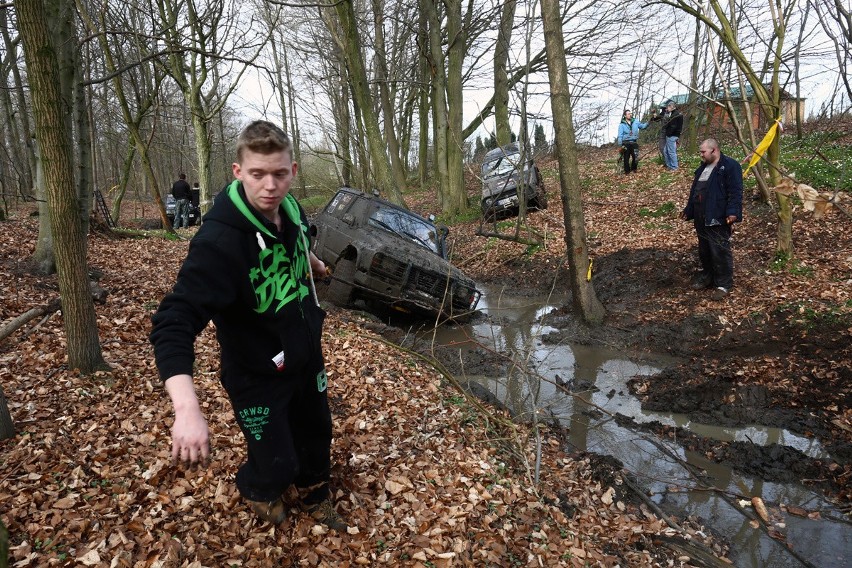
pixel 501 79
pixel 584 298
pixel 143 82
pixel 719 22
pixel 836 21
pixel 19 164
pixel 198 42
pixel 351 47
pixel 84 351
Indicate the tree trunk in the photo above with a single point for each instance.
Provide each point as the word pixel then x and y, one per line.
pixel 27 163
pixel 4 546
pixel 439 101
pixel 294 121
pixel 397 170
pixel 203 144
pixel 584 298
pixel 361 94
pixel 455 196
pixel 696 117
pixel 81 329
pixel 43 258
pixel 501 79
pixel 7 430
pixel 423 108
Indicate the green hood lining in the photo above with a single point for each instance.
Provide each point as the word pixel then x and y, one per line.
pixel 289 204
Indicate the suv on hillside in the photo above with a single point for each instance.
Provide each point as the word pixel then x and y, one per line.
pixel 386 254
pixel 504 170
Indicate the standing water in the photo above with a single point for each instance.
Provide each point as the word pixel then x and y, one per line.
pixel 598 377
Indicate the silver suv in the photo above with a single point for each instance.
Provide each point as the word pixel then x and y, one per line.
pixel 385 254
pixel 504 171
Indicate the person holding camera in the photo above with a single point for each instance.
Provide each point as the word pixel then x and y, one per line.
pixel 670 134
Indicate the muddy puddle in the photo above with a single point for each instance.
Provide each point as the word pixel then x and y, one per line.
pixel 599 411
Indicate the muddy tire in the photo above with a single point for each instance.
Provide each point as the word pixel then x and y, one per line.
pixel 488 213
pixel 539 202
pixel 340 291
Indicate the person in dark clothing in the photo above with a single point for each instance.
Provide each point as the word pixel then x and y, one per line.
pixel 628 140
pixel 715 203
pixel 672 127
pixel 182 194
pixel 196 194
pixel 249 269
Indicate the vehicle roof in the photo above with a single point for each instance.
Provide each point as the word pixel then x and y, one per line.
pixel 510 148
pixel 384 202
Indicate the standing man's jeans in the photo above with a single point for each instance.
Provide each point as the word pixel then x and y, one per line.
pixel 670 152
pixel 181 213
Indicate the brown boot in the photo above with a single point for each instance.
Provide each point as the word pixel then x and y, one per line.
pixel 325 513
pixel 271 511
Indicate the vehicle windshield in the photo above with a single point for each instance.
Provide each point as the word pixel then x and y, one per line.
pixel 502 164
pixel 408 226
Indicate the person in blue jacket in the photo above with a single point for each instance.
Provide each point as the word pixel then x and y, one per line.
pixel 628 140
pixel 715 204
pixel 250 270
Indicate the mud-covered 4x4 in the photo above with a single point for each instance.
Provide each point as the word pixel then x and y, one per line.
pixel 507 172
pixel 383 253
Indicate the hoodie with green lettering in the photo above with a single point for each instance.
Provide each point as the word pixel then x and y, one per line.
pixel 254 283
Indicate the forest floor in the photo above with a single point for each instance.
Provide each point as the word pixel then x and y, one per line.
pixel 424 476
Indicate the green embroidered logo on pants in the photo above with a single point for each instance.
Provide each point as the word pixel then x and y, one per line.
pixel 322 381
pixel 254 419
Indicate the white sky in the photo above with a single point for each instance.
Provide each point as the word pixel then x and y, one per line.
pixel 668 69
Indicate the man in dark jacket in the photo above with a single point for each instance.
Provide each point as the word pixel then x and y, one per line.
pixel 249 269
pixel 670 134
pixel 715 204
pixel 183 195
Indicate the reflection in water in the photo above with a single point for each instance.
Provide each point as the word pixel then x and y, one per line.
pixel 514 330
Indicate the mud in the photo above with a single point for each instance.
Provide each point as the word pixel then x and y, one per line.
pixel 708 386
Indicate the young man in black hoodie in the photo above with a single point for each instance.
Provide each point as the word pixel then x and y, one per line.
pixel 249 269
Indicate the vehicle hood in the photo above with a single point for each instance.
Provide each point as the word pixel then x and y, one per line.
pixel 402 249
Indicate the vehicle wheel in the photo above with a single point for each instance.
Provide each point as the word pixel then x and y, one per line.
pixel 340 291
pixel 488 213
pixel 540 200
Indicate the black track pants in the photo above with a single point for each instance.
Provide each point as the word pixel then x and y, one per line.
pixel 287 426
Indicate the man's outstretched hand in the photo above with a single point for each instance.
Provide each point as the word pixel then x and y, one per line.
pixel 190 434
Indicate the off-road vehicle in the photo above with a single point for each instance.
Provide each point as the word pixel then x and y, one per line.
pixel 504 171
pixel 385 254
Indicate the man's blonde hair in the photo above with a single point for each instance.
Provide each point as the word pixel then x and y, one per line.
pixel 263 137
